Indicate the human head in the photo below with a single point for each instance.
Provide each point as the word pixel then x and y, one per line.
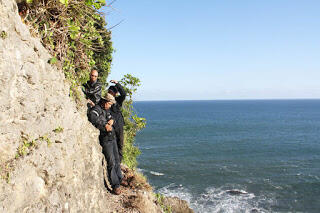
pixel 93 75
pixel 113 90
pixel 108 104
pixel 109 100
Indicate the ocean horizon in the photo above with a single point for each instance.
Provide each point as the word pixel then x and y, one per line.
pixel 233 155
pixel 231 99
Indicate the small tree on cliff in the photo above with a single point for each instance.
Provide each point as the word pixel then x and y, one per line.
pixel 133 123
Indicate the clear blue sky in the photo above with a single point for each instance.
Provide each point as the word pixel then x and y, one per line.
pixel 214 49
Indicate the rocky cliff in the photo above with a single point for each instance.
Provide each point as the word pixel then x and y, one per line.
pixel 50 158
pixel 49 155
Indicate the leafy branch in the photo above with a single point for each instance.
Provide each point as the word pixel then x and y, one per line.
pixel 75 34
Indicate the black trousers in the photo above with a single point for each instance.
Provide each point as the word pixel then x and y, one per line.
pixel 110 151
pixel 120 138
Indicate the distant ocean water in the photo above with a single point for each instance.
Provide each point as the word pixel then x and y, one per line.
pixel 234 156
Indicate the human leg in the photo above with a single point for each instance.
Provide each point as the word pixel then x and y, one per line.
pixel 108 151
pixel 117 161
pixel 120 138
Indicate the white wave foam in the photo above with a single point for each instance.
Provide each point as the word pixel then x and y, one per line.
pixel 156 173
pixel 143 171
pixel 219 199
pixel 179 191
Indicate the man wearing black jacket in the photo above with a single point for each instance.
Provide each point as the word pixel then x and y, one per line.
pixel 92 89
pixel 117 114
pixel 100 116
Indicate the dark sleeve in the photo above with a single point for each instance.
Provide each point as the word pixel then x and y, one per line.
pixel 85 89
pixel 95 91
pixel 97 119
pixel 122 96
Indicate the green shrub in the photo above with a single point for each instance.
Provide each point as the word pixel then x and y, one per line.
pixel 3 34
pixel 75 33
pixel 133 123
pixel 160 201
pixel 26 146
pixel 59 129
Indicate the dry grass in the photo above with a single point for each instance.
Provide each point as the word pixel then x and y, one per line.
pixel 136 180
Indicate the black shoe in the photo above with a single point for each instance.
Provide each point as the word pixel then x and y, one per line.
pixel 117 191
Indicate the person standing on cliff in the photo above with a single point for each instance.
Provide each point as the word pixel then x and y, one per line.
pixel 92 89
pixel 117 114
pixel 100 116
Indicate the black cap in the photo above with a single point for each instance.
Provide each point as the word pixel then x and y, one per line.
pixel 113 89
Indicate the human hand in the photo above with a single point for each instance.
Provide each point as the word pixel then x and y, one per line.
pixel 91 103
pixel 114 81
pixel 111 122
pixel 108 127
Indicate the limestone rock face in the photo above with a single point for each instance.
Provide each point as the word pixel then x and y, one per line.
pixel 61 171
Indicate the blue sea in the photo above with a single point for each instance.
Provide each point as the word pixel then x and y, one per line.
pixel 234 156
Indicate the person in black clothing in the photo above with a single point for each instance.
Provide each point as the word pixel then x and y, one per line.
pixel 92 89
pixel 100 116
pixel 117 114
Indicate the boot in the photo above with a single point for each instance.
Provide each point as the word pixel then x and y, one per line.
pixel 117 191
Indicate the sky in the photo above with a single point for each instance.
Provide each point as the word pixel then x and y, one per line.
pixel 217 49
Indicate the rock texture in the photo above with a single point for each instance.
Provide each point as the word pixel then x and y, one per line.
pixel 50 157
pixel 61 171
pixel 177 205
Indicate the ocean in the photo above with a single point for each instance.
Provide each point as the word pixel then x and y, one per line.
pixel 233 156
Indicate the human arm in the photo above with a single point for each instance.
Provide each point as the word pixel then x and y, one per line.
pixel 94 91
pixel 97 119
pixel 84 89
pixel 122 92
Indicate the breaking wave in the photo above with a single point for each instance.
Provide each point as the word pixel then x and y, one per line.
pixel 223 199
pixel 156 173
pixel 144 171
